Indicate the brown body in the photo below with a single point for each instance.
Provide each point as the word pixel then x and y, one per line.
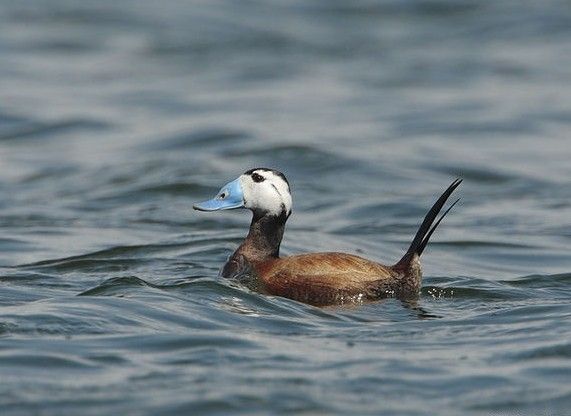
pixel 324 278
pixel 336 278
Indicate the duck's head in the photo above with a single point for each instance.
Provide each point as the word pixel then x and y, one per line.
pixel 261 190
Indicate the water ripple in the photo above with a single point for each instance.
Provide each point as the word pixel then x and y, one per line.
pixel 116 116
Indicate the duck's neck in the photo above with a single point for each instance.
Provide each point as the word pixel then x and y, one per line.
pixel 262 242
pixel 265 235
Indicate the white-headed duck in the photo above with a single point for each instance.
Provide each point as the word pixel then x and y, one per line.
pixel 314 278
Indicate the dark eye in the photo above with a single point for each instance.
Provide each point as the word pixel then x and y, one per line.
pixel 257 177
pixel 223 195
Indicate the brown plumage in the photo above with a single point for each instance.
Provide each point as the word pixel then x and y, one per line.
pixel 319 278
pixel 325 278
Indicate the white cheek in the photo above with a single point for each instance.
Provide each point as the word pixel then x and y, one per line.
pixel 267 199
pixel 263 196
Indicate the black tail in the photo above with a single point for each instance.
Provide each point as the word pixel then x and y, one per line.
pixel 426 228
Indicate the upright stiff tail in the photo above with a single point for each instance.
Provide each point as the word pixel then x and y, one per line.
pixel 427 228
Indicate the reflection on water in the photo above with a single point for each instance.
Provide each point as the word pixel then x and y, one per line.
pixel 116 116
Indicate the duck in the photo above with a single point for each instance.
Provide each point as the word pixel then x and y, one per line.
pixel 320 279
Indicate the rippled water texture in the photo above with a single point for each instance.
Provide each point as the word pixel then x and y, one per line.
pixel 115 116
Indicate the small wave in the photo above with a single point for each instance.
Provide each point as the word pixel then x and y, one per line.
pixel 175 188
pixel 143 192
pixel 475 174
pixel 117 252
pixel 561 350
pixel 297 157
pixel 541 281
pixel 473 288
pixel 109 287
pixel 8 244
pixel 200 138
pixel 481 243
pixel 42 130
pixel 45 361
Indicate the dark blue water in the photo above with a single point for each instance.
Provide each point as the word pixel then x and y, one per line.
pixel 115 116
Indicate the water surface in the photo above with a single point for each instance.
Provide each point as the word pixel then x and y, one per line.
pixel 115 116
